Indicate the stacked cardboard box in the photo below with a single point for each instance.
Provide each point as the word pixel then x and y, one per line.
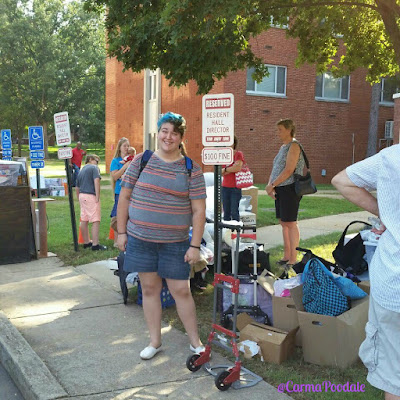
pixel 330 340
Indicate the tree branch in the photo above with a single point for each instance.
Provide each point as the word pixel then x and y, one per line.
pixel 323 3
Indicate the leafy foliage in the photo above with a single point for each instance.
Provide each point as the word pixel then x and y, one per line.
pixel 52 59
pixel 206 40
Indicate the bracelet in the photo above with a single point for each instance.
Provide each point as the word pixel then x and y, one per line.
pixel 195 247
pixel 121 233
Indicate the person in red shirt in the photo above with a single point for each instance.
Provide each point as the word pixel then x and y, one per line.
pixel 76 161
pixel 231 195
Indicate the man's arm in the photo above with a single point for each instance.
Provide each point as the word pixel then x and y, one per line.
pixel 97 189
pixel 358 196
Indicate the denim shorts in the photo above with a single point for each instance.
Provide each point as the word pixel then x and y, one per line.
pixel 167 259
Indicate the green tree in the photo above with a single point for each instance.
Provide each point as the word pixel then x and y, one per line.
pixel 205 40
pixel 51 52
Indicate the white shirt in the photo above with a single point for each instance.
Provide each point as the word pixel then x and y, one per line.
pixel 381 172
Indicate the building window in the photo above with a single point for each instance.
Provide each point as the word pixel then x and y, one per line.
pixel 272 85
pixel 389 86
pixel 329 88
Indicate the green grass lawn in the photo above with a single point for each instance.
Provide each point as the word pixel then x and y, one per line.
pixel 54 167
pixel 310 207
pixel 60 239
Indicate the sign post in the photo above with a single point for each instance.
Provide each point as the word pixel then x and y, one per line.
pixel 63 137
pixel 217 135
pixel 36 147
pixel 6 144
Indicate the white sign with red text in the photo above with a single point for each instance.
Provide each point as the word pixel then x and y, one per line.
pixel 61 126
pixel 64 153
pixel 217 155
pixel 218 120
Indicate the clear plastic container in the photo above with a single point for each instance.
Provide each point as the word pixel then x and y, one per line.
pixel 9 171
pixel 370 248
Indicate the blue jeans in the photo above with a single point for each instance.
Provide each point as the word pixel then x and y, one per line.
pixel 230 202
pixel 74 173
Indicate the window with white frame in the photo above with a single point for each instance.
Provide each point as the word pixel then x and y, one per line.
pixel 327 87
pixel 389 86
pixel 272 85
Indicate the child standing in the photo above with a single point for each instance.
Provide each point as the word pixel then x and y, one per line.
pixel 88 192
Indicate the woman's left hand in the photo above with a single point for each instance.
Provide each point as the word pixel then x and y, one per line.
pixel 270 191
pixel 192 255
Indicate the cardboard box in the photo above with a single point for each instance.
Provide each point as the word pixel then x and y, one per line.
pixel 364 285
pixel 331 340
pixel 242 320
pixel 253 192
pixel 276 345
pixel 248 218
pixel 285 315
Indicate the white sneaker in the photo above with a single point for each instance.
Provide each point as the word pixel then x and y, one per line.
pixel 149 352
pixel 197 350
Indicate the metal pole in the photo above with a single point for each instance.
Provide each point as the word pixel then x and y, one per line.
pixel 71 204
pixel 38 182
pixel 217 214
pixel 353 142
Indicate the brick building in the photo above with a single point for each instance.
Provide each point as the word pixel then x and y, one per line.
pixel 331 115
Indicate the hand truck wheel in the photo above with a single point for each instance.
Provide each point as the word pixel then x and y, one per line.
pixel 219 381
pixel 190 363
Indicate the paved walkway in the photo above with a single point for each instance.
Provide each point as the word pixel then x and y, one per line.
pixel 272 235
pixel 65 333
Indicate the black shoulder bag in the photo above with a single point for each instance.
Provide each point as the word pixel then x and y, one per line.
pixel 303 184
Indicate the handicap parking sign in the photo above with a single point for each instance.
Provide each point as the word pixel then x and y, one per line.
pixel 36 141
pixel 6 138
pixel 37 164
pixel 7 153
pixel 36 154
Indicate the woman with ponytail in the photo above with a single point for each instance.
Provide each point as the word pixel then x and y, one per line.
pixel 117 169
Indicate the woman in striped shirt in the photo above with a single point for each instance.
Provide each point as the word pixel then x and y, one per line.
pixel 156 208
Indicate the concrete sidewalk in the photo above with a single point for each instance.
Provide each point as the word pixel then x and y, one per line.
pixel 272 235
pixel 65 334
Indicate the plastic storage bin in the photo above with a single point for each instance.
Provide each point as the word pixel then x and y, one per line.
pixel 370 248
pixel 9 171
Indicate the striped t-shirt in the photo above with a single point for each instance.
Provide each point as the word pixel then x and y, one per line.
pixel 381 172
pixel 160 209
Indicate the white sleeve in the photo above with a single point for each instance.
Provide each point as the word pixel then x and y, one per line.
pixel 365 173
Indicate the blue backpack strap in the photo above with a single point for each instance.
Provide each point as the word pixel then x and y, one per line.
pixel 147 155
pixel 189 165
pixel 145 158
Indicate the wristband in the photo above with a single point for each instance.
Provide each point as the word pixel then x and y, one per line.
pixel 121 233
pixel 195 247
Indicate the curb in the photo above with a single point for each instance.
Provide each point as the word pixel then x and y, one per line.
pixel 26 369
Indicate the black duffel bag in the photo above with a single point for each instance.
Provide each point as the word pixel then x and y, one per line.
pixel 246 262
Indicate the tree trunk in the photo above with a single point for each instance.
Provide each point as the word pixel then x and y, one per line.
pixel 45 138
pixel 19 136
pixel 373 120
